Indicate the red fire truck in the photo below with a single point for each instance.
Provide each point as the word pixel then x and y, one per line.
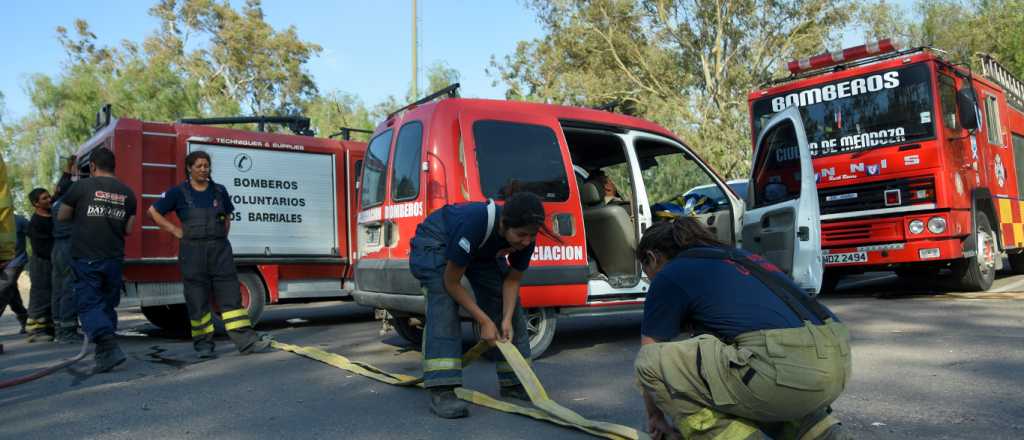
pixel 292 228
pixel 916 160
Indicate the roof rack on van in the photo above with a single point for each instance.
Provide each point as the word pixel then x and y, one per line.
pixel 346 133
pixel 452 91
pixel 297 124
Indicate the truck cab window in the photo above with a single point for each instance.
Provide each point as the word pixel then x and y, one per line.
pixel 995 130
pixel 947 97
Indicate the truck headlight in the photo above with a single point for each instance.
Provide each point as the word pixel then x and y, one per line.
pixel 937 225
pixel 916 227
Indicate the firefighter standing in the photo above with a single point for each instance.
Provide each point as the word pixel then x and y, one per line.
pixel 473 240
pixel 205 257
pixel 40 299
pixel 9 294
pixel 102 211
pixel 65 310
pixel 768 359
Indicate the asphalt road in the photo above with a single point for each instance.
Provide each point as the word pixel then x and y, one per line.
pixel 927 365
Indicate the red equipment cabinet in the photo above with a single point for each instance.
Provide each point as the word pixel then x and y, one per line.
pixel 292 231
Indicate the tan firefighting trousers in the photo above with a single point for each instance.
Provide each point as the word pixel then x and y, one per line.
pixel 711 390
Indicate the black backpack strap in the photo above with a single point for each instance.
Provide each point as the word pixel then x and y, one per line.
pixel 789 294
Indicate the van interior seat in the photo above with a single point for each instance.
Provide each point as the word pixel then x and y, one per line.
pixel 609 233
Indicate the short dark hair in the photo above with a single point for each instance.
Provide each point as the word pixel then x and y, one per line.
pixel 523 209
pixel 103 158
pixel 671 238
pixel 35 194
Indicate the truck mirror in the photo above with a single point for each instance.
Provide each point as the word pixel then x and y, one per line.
pixel 968 104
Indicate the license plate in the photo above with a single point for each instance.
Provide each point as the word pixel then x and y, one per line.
pixel 847 258
pixel 373 236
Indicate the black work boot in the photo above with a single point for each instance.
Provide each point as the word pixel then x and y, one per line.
pixel 514 392
pixel 23 320
pixel 68 335
pixel 445 404
pixel 108 354
pixel 205 349
pixel 260 344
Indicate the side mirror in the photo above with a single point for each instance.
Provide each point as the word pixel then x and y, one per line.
pixel 647 163
pixel 968 104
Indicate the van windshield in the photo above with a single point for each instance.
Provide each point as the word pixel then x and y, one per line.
pixel 515 157
pixel 873 110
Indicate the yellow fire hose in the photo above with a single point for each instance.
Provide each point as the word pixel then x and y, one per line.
pixel 546 409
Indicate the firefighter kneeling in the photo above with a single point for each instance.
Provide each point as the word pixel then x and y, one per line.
pixel 768 361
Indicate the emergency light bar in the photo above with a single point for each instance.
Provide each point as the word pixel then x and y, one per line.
pixel 841 56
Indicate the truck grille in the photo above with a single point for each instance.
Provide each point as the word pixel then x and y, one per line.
pixel 872 195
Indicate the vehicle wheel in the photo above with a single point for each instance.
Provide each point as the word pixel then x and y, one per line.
pixel 976 274
pixel 1016 263
pixel 254 295
pixel 540 325
pixel 409 328
pixel 172 318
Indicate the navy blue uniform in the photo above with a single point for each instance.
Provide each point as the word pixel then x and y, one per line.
pixel 460 234
pixel 716 296
pixel 174 200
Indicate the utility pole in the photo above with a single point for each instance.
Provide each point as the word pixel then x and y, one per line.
pixel 415 65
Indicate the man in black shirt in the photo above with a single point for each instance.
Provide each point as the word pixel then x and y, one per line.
pixel 40 234
pixel 102 210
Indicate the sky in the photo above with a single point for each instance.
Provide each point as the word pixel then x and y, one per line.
pixel 367 45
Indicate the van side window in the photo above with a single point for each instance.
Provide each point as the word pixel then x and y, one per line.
pixel 947 95
pixel 995 131
pixel 405 174
pixel 375 164
pixel 519 157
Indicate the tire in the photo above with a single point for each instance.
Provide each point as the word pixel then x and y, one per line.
pixel 254 295
pixel 540 325
pixel 172 318
pixel 409 328
pixel 976 274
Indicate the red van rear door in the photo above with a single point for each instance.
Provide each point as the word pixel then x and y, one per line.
pixel 508 152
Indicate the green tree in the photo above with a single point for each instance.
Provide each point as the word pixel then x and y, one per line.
pixel 247 62
pixel 686 64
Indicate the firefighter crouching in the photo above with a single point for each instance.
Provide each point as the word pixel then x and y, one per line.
pixel 473 240
pixel 768 361
pixel 205 257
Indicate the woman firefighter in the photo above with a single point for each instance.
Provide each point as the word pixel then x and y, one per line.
pixel 205 256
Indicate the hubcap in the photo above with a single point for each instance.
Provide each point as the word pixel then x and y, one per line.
pixel 535 323
pixel 987 261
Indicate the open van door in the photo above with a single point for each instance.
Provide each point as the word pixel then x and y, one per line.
pixel 782 220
